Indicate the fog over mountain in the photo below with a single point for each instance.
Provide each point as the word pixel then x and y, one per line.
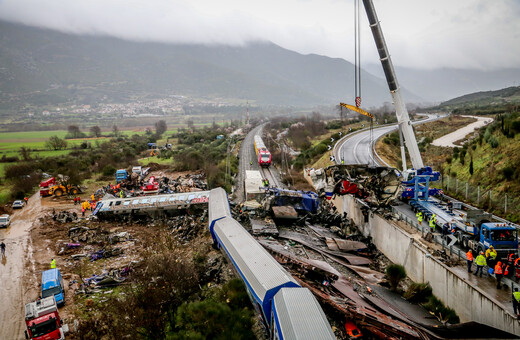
pixel 44 66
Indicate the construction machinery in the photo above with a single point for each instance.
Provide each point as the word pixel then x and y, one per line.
pixel 52 187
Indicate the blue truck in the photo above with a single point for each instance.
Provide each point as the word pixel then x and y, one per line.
pixel 52 285
pixel 471 229
pixel 121 175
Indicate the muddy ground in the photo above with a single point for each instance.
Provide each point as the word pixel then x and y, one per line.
pixel 34 238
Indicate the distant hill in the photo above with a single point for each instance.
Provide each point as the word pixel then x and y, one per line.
pixel 439 85
pixel 508 95
pixel 41 66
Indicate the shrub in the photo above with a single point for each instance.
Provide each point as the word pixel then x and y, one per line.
pixel 109 170
pixel 395 273
pixel 493 142
pixel 444 313
pixel 508 172
pixel 418 292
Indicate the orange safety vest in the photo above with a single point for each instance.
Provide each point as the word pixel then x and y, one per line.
pixel 498 269
pixel 506 272
pixel 469 256
pixel 516 261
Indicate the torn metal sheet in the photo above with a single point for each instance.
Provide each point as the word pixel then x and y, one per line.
pixel 285 212
pixel 363 314
pixel 311 264
pixel 369 275
pixel 263 227
pixel 344 245
pixel 320 231
pixel 312 244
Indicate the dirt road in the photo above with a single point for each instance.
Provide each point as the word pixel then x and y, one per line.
pixel 18 255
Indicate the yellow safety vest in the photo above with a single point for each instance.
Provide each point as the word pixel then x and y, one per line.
pixel 419 216
pixel 481 260
pixel 517 296
pixel 53 264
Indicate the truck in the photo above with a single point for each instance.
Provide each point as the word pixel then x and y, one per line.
pixel 472 229
pixel 52 285
pixel 43 320
pixel 46 185
pixel 121 175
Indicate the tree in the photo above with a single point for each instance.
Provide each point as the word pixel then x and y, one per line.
pixel 471 166
pixel 95 131
pixel 160 127
pixel 56 143
pixel 25 153
pixel 190 123
pixel 74 132
pixel 115 131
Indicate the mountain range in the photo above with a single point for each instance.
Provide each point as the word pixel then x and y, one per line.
pixel 40 66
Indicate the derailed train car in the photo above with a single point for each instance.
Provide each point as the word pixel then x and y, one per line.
pixel 287 310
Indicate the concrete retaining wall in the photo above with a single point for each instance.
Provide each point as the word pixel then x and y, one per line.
pixel 470 303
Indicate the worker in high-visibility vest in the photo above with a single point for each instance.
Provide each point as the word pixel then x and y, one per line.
pixel 499 272
pixel 53 264
pixel 516 301
pixel 491 255
pixel 469 258
pixel 419 217
pixel 480 261
pixel 432 224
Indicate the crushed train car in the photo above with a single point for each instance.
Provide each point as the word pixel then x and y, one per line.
pixel 151 206
pixel 378 186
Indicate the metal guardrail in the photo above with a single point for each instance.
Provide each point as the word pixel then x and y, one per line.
pixel 453 250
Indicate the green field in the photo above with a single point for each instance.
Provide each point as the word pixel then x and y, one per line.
pixel 11 142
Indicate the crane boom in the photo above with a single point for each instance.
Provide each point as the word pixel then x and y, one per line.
pixel 403 119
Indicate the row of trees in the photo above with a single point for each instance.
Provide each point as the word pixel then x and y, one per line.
pixel 74 131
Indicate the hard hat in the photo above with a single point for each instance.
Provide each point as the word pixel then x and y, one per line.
pixel 490 247
pixel 481 253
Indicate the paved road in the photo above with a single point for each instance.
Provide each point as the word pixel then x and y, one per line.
pixel 357 148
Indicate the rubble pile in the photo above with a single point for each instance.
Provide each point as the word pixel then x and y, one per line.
pixel 187 227
pixel 135 185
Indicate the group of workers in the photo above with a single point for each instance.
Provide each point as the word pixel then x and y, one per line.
pixel 86 205
pixel 497 267
pixel 488 259
pixel 431 222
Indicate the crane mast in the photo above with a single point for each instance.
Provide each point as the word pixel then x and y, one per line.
pixel 403 119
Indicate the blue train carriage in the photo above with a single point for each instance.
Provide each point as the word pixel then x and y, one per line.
pixel 296 314
pixel 261 273
pixel 264 278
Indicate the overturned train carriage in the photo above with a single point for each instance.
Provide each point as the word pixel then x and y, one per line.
pixel 378 186
pixel 156 206
pixel 282 313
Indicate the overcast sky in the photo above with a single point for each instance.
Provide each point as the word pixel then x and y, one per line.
pixel 482 34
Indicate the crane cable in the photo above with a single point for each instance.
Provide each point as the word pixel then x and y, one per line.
pixel 357 70
pixel 357 54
